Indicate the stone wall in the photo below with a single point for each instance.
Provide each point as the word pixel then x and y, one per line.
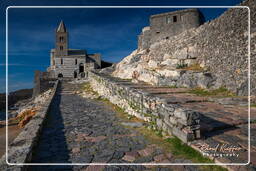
pixel 164 26
pixel 219 47
pixel 67 65
pixel 170 118
pixel 42 82
pixel 20 150
pixel 144 38
pixel 252 5
pixel 96 57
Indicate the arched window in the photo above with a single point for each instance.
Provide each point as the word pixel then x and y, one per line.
pixel 60 75
pixel 174 19
pixel 61 61
pixel 76 61
pixel 61 39
pixel 75 74
pixel 61 47
pixel 81 67
pixel 53 62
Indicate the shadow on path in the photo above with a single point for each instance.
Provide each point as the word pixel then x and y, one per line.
pixel 211 127
pixel 52 146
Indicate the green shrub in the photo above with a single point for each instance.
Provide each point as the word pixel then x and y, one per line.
pixel 222 91
pixel 180 66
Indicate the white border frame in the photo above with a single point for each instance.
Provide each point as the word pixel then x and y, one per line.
pixel 109 164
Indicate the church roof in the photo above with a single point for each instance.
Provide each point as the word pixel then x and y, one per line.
pixel 76 52
pixel 62 27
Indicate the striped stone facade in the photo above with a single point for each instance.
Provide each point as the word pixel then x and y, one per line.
pixel 70 63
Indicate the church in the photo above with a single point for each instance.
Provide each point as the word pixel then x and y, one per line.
pixel 70 63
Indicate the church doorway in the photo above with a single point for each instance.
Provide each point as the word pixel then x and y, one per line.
pixel 75 74
pixel 81 67
pixel 60 75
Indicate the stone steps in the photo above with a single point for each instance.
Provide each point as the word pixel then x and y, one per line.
pixel 67 88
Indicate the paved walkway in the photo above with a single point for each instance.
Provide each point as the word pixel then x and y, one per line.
pixel 80 130
pixel 223 122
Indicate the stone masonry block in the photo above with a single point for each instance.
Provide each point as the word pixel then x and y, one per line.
pixel 180 134
pixel 186 115
pixel 159 123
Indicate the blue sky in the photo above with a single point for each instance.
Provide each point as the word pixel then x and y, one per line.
pixel 111 32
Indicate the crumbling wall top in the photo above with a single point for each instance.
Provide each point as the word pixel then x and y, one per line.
pixel 175 12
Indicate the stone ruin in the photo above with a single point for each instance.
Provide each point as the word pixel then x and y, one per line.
pixel 179 50
pixel 165 25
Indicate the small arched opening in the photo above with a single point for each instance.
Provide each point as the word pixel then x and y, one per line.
pixel 60 75
pixel 75 74
pixel 61 39
pixel 82 75
pixel 81 67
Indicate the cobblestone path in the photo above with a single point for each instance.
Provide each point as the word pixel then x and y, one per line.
pixel 80 130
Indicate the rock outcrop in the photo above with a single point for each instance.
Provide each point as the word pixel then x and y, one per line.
pixel 14 97
pixel 212 55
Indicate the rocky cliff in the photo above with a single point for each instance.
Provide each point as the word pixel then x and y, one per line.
pixel 14 97
pixel 210 56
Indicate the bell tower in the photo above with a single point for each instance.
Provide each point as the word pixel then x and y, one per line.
pixel 61 44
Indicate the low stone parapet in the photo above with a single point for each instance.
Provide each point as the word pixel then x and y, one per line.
pixel 170 118
pixel 20 150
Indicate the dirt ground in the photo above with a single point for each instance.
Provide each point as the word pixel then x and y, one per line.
pixel 13 132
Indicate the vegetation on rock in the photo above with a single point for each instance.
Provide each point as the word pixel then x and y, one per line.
pixel 24 117
pixel 222 91
pixel 194 67
pixel 181 66
pixel 14 97
pixel 170 144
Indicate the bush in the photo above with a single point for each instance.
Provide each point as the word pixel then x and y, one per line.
pixel 180 66
pixel 222 91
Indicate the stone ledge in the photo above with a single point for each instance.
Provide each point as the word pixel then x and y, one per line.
pixel 20 150
pixel 171 118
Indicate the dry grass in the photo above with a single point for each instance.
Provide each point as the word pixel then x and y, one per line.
pixel 178 149
pixel 194 67
pixel 21 119
pixel 253 105
pixel 173 145
pixel 24 117
pixel 87 88
pixel 220 92
pixel 120 112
